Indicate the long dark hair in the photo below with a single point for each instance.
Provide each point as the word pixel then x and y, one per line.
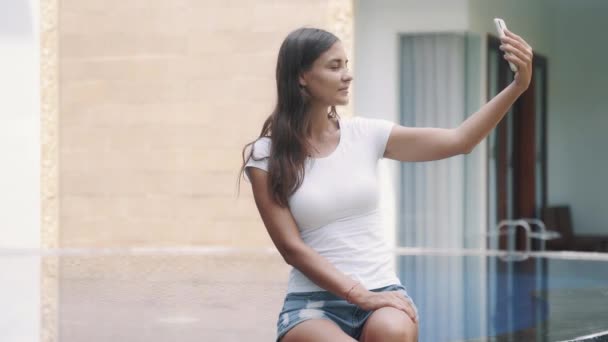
pixel 288 124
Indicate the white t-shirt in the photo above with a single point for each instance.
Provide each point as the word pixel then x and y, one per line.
pixel 337 207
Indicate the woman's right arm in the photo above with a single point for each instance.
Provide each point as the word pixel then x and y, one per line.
pixel 284 233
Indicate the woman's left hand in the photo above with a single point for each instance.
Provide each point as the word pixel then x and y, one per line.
pixel 521 55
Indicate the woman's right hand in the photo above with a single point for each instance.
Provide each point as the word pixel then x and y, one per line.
pixel 370 300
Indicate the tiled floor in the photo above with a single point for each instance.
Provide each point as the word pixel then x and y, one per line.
pixel 177 298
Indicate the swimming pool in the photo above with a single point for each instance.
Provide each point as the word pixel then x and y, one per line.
pixel 469 295
pixel 227 294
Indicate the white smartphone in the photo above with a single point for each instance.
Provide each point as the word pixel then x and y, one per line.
pixel 500 26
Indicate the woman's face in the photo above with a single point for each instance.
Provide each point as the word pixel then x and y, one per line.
pixel 329 79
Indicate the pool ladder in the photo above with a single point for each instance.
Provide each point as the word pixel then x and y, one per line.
pixel 541 234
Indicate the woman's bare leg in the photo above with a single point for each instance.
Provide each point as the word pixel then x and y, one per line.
pixel 316 330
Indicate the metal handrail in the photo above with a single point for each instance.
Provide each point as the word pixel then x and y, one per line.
pixel 544 234
pixel 514 223
pixel 527 223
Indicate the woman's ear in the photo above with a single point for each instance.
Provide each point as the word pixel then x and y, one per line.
pixel 302 81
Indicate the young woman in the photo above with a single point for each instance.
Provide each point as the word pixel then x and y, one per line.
pixel 314 181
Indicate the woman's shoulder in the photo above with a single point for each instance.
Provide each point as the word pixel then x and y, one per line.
pixel 370 127
pixel 350 120
pixel 365 122
pixel 361 120
pixel 358 122
pixel 263 140
pixel 261 147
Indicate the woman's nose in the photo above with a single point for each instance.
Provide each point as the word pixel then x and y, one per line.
pixel 348 76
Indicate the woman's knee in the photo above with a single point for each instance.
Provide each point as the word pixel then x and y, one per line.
pixel 389 324
pixel 397 333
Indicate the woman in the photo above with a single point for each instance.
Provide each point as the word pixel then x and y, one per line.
pixel 314 181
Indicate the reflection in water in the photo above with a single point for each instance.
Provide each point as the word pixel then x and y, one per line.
pixel 543 297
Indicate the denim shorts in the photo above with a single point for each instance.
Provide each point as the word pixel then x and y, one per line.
pixel 301 306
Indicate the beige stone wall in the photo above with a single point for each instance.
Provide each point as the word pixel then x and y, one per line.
pixel 156 100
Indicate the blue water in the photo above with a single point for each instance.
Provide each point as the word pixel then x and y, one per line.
pixel 475 297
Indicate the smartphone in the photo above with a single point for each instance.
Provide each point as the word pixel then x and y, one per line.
pixel 500 27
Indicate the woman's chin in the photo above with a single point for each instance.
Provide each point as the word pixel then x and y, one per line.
pixel 342 101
